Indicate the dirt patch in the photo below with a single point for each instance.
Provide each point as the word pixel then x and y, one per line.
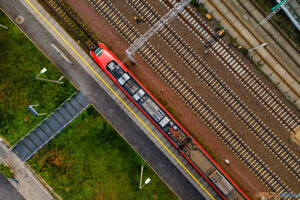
pixel 54 158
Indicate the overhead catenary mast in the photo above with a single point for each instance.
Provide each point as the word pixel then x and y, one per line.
pixel 178 7
pixel 276 9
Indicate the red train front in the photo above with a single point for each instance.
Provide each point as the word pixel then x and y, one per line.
pixel 157 114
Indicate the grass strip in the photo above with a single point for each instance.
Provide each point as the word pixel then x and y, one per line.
pixel 20 62
pixel 89 160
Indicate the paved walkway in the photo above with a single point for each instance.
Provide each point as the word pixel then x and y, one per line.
pixel 8 191
pixel 29 186
pixel 105 96
pixel 50 127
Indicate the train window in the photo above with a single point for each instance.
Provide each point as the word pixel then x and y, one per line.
pixel 98 52
pixel 111 66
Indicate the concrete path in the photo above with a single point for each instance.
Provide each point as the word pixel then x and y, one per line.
pixel 8 191
pixel 29 186
pixel 50 127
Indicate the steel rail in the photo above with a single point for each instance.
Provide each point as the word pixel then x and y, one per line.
pixel 240 77
pixel 68 25
pixel 263 59
pixel 263 172
pixel 276 27
pixel 294 170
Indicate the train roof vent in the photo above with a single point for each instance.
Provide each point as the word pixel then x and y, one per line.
pixel 138 94
pixel 125 77
pixel 164 121
pixel 218 179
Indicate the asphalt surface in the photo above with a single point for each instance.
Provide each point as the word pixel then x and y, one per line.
pixel 8 191
pixel 28 184
pixel 105 105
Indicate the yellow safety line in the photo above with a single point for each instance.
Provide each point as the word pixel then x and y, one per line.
pixel 7 142
pixel 118 97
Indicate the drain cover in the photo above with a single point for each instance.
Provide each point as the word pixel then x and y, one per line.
pixel 19 19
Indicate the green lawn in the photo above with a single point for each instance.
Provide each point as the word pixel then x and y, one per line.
pixel 89 160
pixel 20 62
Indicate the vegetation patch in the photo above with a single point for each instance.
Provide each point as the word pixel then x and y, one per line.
pixel 89 160
pixel 20 63
pixel 6 171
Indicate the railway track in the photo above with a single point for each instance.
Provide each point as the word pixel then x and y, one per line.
pixel 238 68
pixel 220 89
pixel 274 59
pixel 60 11
pixel 193 99
pixel 72 22
pixel 275 26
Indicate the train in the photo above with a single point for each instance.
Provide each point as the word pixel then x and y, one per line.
pixel 163 121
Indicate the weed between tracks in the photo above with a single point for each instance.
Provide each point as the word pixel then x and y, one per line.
pixel 89 160
pixel 20 62
pixel 80 33
pixel 289 29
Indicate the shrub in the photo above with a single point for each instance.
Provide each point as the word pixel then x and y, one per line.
pixel 6 171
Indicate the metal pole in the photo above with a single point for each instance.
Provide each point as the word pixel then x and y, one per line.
pixel 272 13
pixel 129 55
pixel 52 81
pixel 48 80
pixel 279 4
pixel 3 26
pixel 38 75
pixel 262 45
pixel 141 176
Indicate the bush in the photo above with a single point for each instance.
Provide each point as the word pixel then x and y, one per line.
pixel 6 171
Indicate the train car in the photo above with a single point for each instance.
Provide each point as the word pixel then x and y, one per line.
pixel 151 108
pixel 140 96
pixel 218 179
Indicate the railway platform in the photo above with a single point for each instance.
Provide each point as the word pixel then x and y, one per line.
pixel 104 95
